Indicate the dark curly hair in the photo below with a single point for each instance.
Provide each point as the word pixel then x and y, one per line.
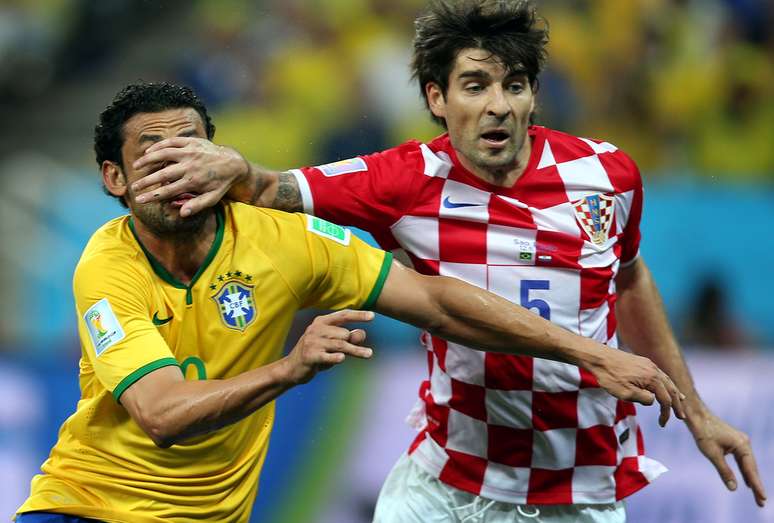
pixel 508 29
pixel 138 98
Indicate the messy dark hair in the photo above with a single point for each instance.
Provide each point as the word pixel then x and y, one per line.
pixel 141 98
pixel 508 29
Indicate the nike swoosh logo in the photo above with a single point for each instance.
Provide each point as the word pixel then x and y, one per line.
pixel 160 321
pixel 452 205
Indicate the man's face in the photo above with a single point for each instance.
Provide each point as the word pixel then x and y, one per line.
pixel 140 132
pixel 487 109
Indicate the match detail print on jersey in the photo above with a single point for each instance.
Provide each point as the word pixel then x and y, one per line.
pixel 328 230
pixel 353 165
pixel 104 329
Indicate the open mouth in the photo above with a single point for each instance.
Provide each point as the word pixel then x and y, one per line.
pixel 497 137
pixel 179 200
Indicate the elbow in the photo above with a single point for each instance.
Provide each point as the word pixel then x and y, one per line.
pixel 161 439
pixel 159 428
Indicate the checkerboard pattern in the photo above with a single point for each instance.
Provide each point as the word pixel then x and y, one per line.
pixel 513 428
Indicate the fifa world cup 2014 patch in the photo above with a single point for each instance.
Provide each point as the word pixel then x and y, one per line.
pixel 595 215
pixel 353 165
pixel 236 304
pixel 104 328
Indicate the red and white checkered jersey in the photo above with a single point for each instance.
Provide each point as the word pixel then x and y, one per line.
pixel 511 428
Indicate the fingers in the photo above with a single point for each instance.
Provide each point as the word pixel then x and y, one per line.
pixel 717 458
pixel 747 465
pixel 175 142
pixel 328 359
pixel 642 397
pixel 158 156
pixel 199 203
pixel 357 336
pixel 169 174
pixel 348 348
pixel 345 316
pixel 668 396
pixel 665 403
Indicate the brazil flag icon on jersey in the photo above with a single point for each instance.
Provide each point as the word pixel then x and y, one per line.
pixel 236 304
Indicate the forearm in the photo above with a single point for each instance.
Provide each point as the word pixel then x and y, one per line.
pixel 462 313
pixel 266 188
pixel 644 328
pixel 190 408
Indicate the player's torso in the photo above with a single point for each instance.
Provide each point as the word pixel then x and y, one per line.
pixel 549 243
pixel 233 317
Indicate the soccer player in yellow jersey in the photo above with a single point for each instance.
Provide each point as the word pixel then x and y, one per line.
pixel 182 321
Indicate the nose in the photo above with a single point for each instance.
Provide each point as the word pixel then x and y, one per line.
pixel 498 104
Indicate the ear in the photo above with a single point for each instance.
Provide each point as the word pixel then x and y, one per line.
pixel 436 100
pixel 114 179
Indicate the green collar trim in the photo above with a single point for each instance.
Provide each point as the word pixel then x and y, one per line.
pixel 164 274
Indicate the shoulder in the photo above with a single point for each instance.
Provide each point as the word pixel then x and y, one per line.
pixel 257 220
pixel 414 157
pixel 618 165
pixel 267 230
pixel 111 255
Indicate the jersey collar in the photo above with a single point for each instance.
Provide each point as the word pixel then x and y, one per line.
pixel 164 274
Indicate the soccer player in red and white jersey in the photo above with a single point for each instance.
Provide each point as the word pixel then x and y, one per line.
pixel 547 220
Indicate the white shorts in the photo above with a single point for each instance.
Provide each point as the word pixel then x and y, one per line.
pixel 411 495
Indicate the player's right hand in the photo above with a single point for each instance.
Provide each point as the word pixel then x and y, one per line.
pixel 326 343
pixel 635 378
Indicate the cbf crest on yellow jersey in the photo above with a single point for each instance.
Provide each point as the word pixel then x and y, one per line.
pixel 135 317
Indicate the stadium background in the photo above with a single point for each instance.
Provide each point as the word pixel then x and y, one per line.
pixel 685 86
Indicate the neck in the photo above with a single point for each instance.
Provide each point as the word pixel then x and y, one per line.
pixel 502 176
pixel 181 255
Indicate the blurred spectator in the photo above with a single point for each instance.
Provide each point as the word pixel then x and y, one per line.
pixel 711 322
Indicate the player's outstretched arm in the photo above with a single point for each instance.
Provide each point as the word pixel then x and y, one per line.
pixel 171 409
pixel 198 166
pixel 645 329
pixel 462 313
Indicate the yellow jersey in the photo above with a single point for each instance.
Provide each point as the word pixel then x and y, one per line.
pixel 134 317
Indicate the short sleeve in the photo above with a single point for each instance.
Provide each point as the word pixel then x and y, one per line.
pixel 369 192
pixel 328 267
pixel 630 239
pixel 113 302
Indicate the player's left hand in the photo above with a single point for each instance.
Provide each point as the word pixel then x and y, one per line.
pixel 192 165
pixel 716 438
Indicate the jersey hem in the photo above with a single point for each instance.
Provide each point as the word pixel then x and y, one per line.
pixel 89 512
pixel 139 373
pixel 429 465
pixel 379 285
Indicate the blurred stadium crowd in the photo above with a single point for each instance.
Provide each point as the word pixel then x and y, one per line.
pixel 683 83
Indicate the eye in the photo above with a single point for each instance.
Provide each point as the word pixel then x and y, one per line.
pixel 516 88
pixel 474 88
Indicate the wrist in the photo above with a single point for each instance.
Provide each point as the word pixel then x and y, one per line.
pixel 243 185
pixel 284 373
pixel 588 355
pixel 696 413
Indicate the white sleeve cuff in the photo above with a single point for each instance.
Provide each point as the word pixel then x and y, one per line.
pixel 631 262
pixel 306 191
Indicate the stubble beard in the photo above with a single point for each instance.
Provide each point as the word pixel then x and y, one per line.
pixel 166 223
pixel 499 162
